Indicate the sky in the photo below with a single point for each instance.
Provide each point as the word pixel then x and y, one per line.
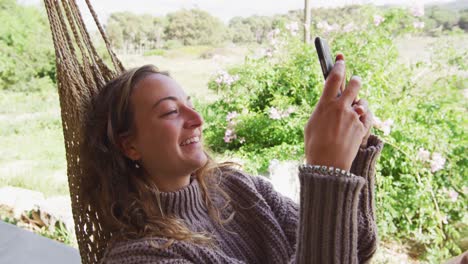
pixel 224 9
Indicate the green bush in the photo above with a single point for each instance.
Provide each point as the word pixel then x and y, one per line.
pixel 27 59
pixel 421 176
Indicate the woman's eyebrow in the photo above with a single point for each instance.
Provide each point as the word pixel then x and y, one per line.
pixel 173 98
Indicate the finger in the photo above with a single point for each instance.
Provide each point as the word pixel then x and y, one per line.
pixel 360 101
pixel 359 109
pixel 333 82
pixel 351 90
pixel 367 120
pixel 362 104
pixel 338 57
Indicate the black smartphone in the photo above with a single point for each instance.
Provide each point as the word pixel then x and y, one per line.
pixel 324 54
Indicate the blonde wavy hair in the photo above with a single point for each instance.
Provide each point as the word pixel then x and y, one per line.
pixel 122 194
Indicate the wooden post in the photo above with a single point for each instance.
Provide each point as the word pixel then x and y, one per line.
pixel 307 17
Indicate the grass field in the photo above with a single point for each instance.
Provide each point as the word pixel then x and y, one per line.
pixel 32 153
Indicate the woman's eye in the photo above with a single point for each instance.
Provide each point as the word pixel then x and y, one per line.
pixel 170 112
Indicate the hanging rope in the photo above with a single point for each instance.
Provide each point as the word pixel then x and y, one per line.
pixel 81 73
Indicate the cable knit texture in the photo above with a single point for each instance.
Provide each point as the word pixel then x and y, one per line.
pixel 333 223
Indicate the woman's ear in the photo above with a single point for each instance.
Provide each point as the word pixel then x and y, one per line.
pixel 128 147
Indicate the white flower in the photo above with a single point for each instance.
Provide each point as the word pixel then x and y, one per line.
pixel 321 24
pixel 273 34
pixel 378 20
pixel 231 115
pixel 290 110
pixel 418 24
pixel 384 126
pixel 277 114
pixel 453 195
pixel 293 28
pixel 327 27
pixel 437 162
pixel 424 155
pixel 229 132
pixel 274 113
pixel 226 78
pixel 349 27
pixel 229 135
pixel 418 10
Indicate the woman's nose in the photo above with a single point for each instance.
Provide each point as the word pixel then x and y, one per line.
pixel 193 118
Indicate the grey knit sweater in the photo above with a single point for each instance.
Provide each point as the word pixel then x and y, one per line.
pixel 334 222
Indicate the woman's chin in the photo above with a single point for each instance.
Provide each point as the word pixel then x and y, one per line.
pixel 194 152
pixel 202 160
pixel 197 160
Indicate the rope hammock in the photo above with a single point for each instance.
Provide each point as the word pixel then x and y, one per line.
pixel 81 73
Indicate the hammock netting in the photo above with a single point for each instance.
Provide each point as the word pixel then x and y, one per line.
pixel 81 73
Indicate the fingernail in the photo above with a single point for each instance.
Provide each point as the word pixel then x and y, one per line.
pixel 339 62
pixel 357 78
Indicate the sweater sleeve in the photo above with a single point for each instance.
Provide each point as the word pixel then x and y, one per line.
pixel 364 166
pixel 142 251
pixel 337 222
pixel 145 251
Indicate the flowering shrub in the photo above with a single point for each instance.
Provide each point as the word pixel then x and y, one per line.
pixel 421 176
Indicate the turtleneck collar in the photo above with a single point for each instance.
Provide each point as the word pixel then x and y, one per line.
pixel 186 203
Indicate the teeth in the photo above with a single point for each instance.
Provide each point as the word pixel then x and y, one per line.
pixel 190 140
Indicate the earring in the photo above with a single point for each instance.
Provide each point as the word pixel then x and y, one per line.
pixel 137 165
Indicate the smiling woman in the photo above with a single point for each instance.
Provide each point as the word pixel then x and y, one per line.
pixel 165 200
pixel 166 133
pixel 146 139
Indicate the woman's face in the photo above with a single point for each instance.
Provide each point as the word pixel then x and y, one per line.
pixel 168 130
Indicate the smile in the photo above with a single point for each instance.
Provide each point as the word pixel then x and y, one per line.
pixel 190 141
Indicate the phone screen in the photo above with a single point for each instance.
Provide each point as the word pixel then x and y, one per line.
pixel 324 54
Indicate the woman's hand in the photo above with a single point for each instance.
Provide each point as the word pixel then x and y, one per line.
pixel 338 125
pixel 361 107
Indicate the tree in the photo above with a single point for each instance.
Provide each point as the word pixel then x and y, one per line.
pixel 240 31
pixel 26 53
pixel 259 26
pixel 195 27
pixel 131 31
